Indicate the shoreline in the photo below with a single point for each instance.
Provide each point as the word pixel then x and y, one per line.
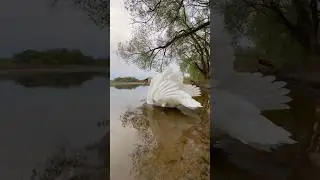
pixel 126 83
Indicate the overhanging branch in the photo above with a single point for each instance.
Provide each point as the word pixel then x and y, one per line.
pixel 182 35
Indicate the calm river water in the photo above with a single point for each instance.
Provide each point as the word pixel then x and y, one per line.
pixel 43 126
pixel 53 126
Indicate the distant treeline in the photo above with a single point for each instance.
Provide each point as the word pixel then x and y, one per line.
pixel 127 82
pixel 127 86
pixel 126 79
pixel 133 79
pixel 52 57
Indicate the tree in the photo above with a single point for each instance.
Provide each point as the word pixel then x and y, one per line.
pixel 57 57
pixel 295 25
pixel 26 56
pixel 167 31
pixel 126 79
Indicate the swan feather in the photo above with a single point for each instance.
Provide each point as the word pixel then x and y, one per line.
pixel 167 90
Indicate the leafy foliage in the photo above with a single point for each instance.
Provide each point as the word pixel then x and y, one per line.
pixel 126 79
pixel 285 31
pixel 164 31
pixel 168 31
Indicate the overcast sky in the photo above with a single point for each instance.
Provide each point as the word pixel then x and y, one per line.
pixel 34 24
pixel 120 32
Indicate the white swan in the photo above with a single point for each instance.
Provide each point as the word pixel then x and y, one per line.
pixel 239 98
pixel 167 90
pixel 237 109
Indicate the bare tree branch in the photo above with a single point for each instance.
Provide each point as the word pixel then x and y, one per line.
pixel 182 35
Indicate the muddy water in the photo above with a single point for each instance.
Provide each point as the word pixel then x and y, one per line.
pixel 155 143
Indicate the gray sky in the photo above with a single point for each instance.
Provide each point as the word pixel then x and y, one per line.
pixel 34 24
pixel 120 31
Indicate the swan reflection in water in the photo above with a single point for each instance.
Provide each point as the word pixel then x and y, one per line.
pixel 173 143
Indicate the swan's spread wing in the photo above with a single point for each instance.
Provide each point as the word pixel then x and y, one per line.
pixel 262 91
pixel 191 90
pixel 181 97
pixel 243 121
pixel 169 92
pixel 168 74
pixel 152 87
pixel 165 89
pixel 161 81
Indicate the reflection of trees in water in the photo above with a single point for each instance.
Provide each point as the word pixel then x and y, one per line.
pixel 54 79
pixel 171 145
pixel 57 164
pixel 87 163
pixel 291 162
